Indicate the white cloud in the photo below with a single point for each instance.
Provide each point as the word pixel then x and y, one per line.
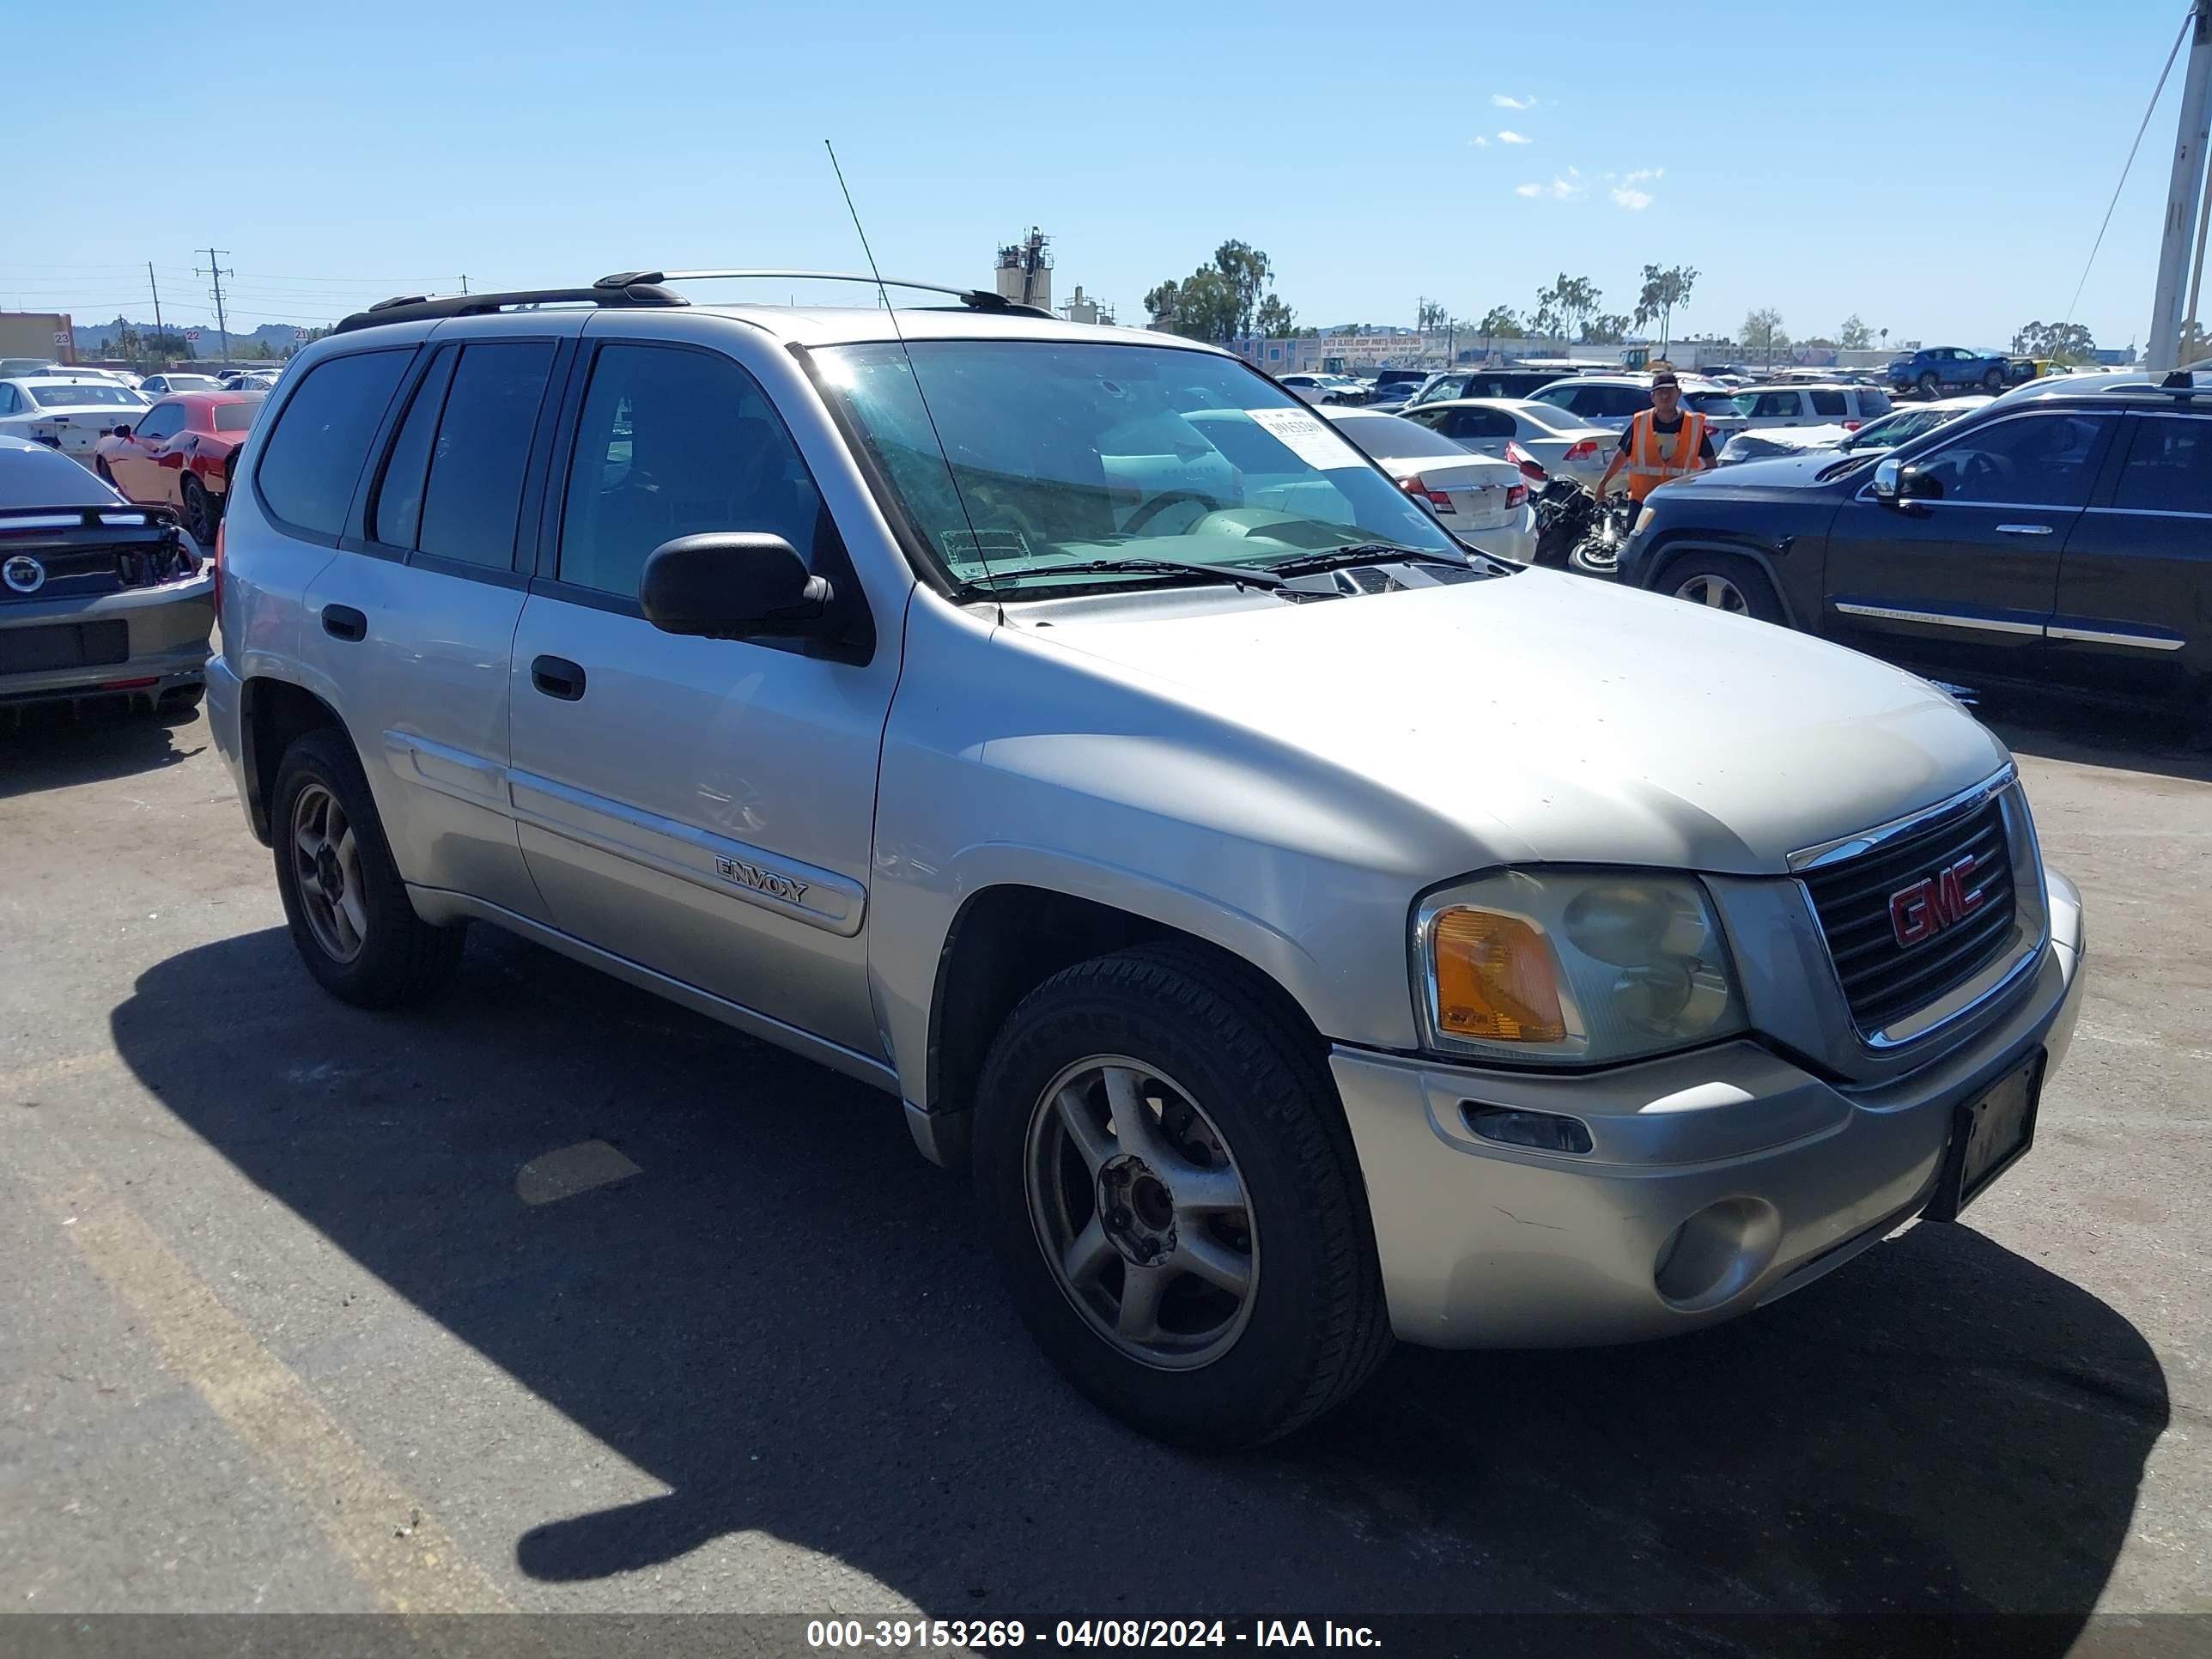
pixel 1528 189
pixel 1634 200
pixel 1480 142
pixel 1510 137
pixel 1507 101
pixel 1568 188
pixel 1641 174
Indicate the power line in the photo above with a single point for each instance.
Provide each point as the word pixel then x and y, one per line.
pixel 2132 149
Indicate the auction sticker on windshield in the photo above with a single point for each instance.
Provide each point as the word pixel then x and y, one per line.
pixel 1307 437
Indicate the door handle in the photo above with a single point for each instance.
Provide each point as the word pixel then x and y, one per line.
pixel 343 621
pixel 557 676
pixel 2023 530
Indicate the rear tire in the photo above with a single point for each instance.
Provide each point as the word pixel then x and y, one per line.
pixel 1930 387
pixel 1993 382
pixel 348 908
pixel 1245 1106
pixel 201 513
pixel 1723 581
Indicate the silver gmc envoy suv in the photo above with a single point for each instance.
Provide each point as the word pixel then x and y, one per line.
pixel 1311 928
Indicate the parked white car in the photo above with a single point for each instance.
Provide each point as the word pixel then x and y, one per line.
pixel 162 385
pixel 1899 426
pixel 1325 388
pixel 1761 408
pixel 1564 445
pixel 1483 503
pixel 68 415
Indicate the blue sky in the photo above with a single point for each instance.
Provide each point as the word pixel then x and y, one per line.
pixel 1940 169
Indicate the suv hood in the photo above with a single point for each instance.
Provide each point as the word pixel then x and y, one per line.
pixel 1784 476
pixel 1552 718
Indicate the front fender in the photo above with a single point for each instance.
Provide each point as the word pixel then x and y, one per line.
pixel 1770 554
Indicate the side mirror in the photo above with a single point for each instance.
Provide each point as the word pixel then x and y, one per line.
pixel 1884 483
pixel 733 585
pixel 120 432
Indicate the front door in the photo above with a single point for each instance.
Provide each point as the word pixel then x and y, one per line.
pixel 702 807
pixel 1962 579
pixel 136 461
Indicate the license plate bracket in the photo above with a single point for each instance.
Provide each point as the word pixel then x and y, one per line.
pixel 1989 1134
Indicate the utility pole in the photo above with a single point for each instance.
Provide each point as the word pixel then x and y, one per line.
pixel 157 287
pixel 2163 350
pixel 217 273
pixel 465 281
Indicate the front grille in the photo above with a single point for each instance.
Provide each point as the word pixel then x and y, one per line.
pixel 1882 980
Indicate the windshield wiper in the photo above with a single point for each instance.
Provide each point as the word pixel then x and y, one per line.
pixel 1240 575
pixel 1359 553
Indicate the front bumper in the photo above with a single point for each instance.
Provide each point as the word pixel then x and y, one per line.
pixel 168 629
pixel 1484 1245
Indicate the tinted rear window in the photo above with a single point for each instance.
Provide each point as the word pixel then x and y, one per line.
pixel 484 441
pixel 1830 403
pixel 2169 467
pixel 236 417
pixel 40 477
pixel 1873 402
pixel 86 394
pixel 312 460
pixel 1378 436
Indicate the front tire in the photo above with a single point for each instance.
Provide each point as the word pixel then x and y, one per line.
pixel 1930 387
pixel 1168 1184
pixel 1725 582
pixel 1993 382
pixel 348 908
pixel 100 469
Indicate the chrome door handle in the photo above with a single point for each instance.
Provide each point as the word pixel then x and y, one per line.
pixel 2023 530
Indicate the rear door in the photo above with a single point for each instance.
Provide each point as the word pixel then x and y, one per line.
pixel 414 620
pixel 702 807
pixel 1965 578
pixel 2134 585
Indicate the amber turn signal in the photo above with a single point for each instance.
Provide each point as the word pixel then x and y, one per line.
pixel 1496 979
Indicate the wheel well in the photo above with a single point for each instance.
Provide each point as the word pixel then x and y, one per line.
pixel 1663 568
pixel 277 715
pixel 1008 940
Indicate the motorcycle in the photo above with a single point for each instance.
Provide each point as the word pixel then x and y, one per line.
pixel 1576 531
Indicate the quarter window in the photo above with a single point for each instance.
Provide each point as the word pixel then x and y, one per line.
pixel 311 461
pixel 2037 460
pixel 676 442
pixel 398 512
pixel 1831 403
pixel 2169 468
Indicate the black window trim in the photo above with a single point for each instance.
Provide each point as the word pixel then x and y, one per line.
pixel 302 532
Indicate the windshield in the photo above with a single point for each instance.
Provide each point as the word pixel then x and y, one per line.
pixel 1077 452
pixel 1394 438
pixel 84 394
pixel 1717 403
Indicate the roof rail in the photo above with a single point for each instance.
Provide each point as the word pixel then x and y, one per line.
pixel 416 308
pixel 973 299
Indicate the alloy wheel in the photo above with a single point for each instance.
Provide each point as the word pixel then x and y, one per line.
pixel 1715 592
pixel 327 860
pixel 1140 1212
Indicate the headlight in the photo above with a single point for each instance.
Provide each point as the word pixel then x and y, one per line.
pixel 1568 968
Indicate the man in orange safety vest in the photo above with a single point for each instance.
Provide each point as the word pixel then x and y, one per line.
pixel 1664 441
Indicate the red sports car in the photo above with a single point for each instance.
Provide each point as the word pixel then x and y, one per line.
pixel 180 452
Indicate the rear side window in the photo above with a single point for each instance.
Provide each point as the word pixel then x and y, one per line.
pixel 1830 403
pixel 1776 405
pixel 2169 468
pixel 312 460
pixel 475 491
pixel 1873 401
pixel 397 513
pixel 1620 400
pixel 676 442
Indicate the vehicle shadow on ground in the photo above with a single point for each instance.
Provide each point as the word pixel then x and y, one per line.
pixel 55 746
pixel 2053 727
pixel 788 1319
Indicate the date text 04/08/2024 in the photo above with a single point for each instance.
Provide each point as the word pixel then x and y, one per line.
pixel 902 1634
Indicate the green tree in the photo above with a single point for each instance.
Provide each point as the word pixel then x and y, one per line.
pixel 1607 328
pixel 1432 315
pixel 1498 323
pixel 1564 308
pixel 1348 330
pixel 1763 332
pixel 1275 321
pixel 1665 291
pixel 1163 305
pixel 1247 272
pixel 2062 342
pixel 1854 335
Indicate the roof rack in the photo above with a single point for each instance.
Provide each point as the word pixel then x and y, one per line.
pixel 416 308
pixel 973 299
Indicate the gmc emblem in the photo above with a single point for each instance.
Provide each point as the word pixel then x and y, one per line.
pixel 1931 904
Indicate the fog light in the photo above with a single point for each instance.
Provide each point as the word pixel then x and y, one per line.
pixel 1541 1132
pixel 1717 1254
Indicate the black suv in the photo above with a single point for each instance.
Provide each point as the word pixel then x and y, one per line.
pixel 2061 536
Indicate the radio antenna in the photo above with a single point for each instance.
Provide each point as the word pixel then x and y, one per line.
pixel 974 537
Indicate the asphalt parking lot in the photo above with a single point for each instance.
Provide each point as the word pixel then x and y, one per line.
pixel 557 1298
